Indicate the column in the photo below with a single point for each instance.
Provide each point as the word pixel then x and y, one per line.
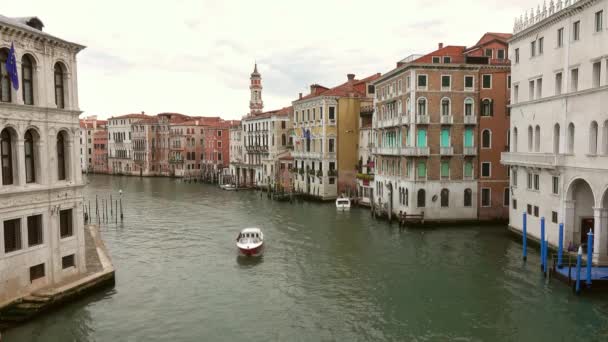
pixel 20 162
pixel 569 224
pixel 600 238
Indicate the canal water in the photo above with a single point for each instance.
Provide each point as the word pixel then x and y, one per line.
pixel 325 276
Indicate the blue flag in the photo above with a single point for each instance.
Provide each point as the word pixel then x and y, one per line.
pixel 11 67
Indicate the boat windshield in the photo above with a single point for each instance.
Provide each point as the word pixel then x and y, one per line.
pixel 342 201
pixel 249 238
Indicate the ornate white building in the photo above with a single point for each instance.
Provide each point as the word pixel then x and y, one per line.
pixel 559 122
pixel 41 212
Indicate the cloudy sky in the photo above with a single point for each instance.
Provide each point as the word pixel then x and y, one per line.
pixel 195 56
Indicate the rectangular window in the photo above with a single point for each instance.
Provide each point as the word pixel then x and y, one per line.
pixel 421 141
pixel 34 230
pixel 541 45
pixel 536 210
pixel 558 83
pixel 436 59
pixel 36 272
pixel 421 81
pixel 65 223
pixel 514 204
pixel 486 169
pixel 597 72
pixel 501 54
pixel 445 137
pixel 529 183
pixel 485 197
pixel 68 261
pixel 487 82
pixel 505 197
pixel 576 30
pixel 468 82
pixel 599 21
pixel 529 207
pixel 12 235
pixel 514 178
pixel 554 216
pixel 332 113
pixel 533 48
pixel 574 80
pixel 517 55
pixel 536 182
pixel 331 146
pixel 488 53
pixel 468 169
pixel 421 169
pixel 219 144
pixel 560 37
pixel 445 169
pixel 468 137
pixel 555 185
pixel 447 60
pixel 446 82
pixel 516 93
pixel 509 82
pixel 539 88
pixel 531 90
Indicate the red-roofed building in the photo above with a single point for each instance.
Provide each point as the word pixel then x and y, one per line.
pixel 440 124
pixel 89 126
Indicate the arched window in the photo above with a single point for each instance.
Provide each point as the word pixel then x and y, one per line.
pixel 6 156
pixel 593 138
pixel 556 133
pixel 486 107
pixel 468 197
pixel 27 79
pixel 61 160
pixel 514 149
pixel 570 138
pixel 5 80
pixel 537 139
pixel 605 138
pixel 30 159
pixel 468 106
pixel 422 106
pixel 421 198
pixel 445 106
pixel 486 138
pixel 59 88
pixel 530 138
pixel 445 198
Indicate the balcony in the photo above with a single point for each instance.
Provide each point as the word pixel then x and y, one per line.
pixel 469 151
pixel 422 119
pixel 540 160
pixel 447 120
pixel 329 155
pixel 446 151
pixel 306 155
pixel 392 122
pixel 393 151
pixel 470 120
pixel 408 151
pixel 422 151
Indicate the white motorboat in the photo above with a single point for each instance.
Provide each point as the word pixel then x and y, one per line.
pixel 343 203
pixel 250 242
pixel 229 187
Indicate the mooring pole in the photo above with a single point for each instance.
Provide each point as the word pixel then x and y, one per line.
pixel 578 270
pixel 524 236
pixel 589 256
pixel 546 252
pixel 560 246
pixel 111 202
pixel 542 244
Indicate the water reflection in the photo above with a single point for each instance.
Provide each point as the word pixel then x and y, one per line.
pixel 245 261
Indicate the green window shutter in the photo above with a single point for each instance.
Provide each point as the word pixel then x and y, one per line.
pixel 445 169
pixel 468 137
pixel 422 169
pixel 445 137
pixel 421 138
pixel 468 169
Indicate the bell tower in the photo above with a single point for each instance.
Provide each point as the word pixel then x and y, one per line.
pixel 256 105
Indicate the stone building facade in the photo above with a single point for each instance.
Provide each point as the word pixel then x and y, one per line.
pixel 41 201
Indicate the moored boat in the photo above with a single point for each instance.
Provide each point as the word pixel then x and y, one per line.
pixel 250 241
pixel 343 203
pixel 229 187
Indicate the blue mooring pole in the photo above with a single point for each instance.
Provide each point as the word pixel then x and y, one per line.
pixel 542 244
pixel 589 256
pixel 524 237
pixel 560 246
pixel 546 268
pixel 578 269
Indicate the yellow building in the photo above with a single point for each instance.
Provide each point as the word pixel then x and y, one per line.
pixel 326 137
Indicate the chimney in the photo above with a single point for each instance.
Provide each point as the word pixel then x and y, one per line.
pixel 350 77
pixel 440 45
pixel 300 96
pixel 143 113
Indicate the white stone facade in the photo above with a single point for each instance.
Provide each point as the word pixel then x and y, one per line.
pixel 120 143
pixel 41 203
pixel 559 123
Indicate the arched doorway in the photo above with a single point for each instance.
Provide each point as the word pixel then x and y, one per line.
pixel 579 213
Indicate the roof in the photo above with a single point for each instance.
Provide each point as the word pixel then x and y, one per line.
pixel 453 51
pixel 130 116
pixel 490 37
pixel 352 87
pixel 21 24
pixel 285 111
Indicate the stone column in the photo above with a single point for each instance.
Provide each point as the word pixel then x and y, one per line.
pixel 600 238
pixel 20 161
pixel 569 224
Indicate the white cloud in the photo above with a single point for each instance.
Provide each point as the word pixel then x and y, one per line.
pixel 195 57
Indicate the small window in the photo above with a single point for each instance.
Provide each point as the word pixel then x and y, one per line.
pixel 514 204
pixel 468 197
pixel 501 54
pixel 576 30
pixel 599 22
pixel 446 81
pixel 421 200
pixel 332 113
pixel 485 169
pixel 541 45
pixel 536 211
pixel 486 139
pixel 536 182
pixel 529 209
pixel 554 216
pixel 560 37
pixel 533 48
pixel 421 81
pixel 34 230
pixel 36 272
pixel 370 90
pixel 487 82
pixel 65 223
pixel 436 60
pixel 488 53
pixel 555 185
pixel 468 82
pixel 574 79
pixel 67 261
pixel 517 55
pixel 447 60
pixel 485 197
pixel 445 198
pixel 558 83
pixel 12 235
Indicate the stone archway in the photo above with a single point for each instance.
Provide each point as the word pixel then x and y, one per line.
pixel 579 212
